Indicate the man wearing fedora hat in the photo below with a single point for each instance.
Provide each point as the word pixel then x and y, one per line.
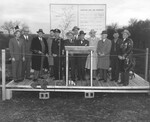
pixel 125 56
pixel 27 44
pixel 16 47
pixel 114 56
pixel 75 32
pixel 81 58
pixel 70 41
pixel 39 50
pixel 57 53
pixel 103 51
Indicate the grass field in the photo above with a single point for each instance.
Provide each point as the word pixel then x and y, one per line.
pixel 73 107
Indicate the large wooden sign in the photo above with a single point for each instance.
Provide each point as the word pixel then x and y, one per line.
pixel 85 16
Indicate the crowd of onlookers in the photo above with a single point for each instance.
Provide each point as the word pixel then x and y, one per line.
pixel 40 54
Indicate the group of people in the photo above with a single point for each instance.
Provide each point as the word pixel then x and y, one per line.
pixel 39 54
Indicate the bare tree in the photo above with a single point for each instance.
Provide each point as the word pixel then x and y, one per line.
pixel 10 25
pixel 67 18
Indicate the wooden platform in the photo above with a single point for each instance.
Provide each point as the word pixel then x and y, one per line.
pixel 136 83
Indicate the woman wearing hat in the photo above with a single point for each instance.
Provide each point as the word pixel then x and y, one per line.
pixel 93 41
pixel 125 57
pixel 39 50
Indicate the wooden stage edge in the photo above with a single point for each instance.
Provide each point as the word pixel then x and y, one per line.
pixel 136 84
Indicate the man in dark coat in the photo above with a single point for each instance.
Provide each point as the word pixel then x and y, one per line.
pixel 70 41
pixel 27 44
pixel 75 30
pixel 50 58
pixel 16 48
pixel 39 49
pixel 125 56
pixel 58 53
pixel 82 57
pixel 114 57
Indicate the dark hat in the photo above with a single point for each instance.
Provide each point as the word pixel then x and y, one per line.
pixel 69 32
pixel 127 32
pixel 115 31
pixel 82 32
pixel 104 32
pixel 52 30
pixel 16 29
pixel 75 27
pixel 40 30
pixel 57 31
pixel 92 31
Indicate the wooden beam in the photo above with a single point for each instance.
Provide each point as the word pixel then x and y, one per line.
pixel 3 75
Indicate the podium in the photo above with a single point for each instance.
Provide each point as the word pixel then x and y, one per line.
pixel 79 50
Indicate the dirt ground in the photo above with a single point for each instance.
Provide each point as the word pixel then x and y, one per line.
pixel 73 107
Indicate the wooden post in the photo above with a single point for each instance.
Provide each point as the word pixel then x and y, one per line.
pixel 91 68
pixel 67 66
pixel 146 64
pixel 3 75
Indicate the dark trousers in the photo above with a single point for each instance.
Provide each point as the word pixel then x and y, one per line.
pixel 124 73
pixel 125 78
pixel 17 69
pixel 26 68
pixel 81 67
pixel 115 68
pixel 57 68
pixel 103 73
pixel 71 68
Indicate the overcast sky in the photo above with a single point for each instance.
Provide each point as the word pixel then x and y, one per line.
pixel 35 13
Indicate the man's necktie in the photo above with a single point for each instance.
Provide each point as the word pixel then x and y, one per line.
pixel 18 42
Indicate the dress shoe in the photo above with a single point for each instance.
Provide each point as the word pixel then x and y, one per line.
pixel 16 81
pixel 41 77
pixel 119 83
pixel 116 81
pixel 28 78
pixel 105 80
pixel 34 80
pixel 101 79
pixel 94 78
pixel 125 84
pixel 112 79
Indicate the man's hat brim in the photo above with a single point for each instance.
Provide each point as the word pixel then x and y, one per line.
pixel 18 30
pixel 40 31
pixel 127 32
pixel 104 32
pixel 76 28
